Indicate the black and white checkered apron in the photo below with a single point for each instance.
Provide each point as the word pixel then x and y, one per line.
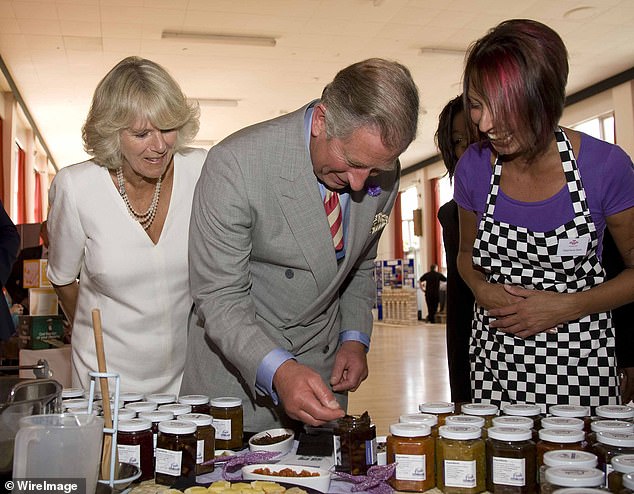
pixel 577 364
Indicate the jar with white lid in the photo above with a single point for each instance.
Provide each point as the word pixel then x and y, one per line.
pixel 134 445
pixel 125 414
pixel 440 409
pixel 141 406
pixel 562 423
pixel 580 490
pixel 533 412
pixel 161 398
pixel 422 418
pixel 607 425
pixel 510 454
pixel 554 439
pixel 228 421
pixel 566 458
pixel 562 477
pixel 205 440
pixel 473 420
pixel 621 465
pixel 628 483
pixel 156 417
pixel 130 397
pixel 175 452
pixel 460 460
pixel 176 408
pixel 611 444
pixel 411 447
pixel 620 412
pixel 199 403
pixel 74 403
pixel 486 410
pixel 572 411
pixel 513 421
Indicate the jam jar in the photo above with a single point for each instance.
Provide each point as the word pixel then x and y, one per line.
pixel 354 441
pixel 573 411
pixel 619 412
pixel 460 460
pixel 134 445
pixel 205 437
pixel 227 420
pixel 411 447
pixel 474 420
pixel 175 452
pixel 533 412
pixel 621 465
pixel 486 410
pixel 440 409
pixel 554 439
pixel 422 418
pixel 161 398
pixel 511 467
pixel 141 406
pixel 130 397
pixel 199 403
pixel 628 483
pixel 563 477
pixel 611 444
pixel 566 458
pixel 155 417
pixel 562 423
pixel 607 426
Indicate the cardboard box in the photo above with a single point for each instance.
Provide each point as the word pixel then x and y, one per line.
pixel 43 302
pixel 41 332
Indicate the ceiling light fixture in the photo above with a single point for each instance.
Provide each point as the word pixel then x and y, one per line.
pixel 222 102
pixel 432 50
pixel 225 39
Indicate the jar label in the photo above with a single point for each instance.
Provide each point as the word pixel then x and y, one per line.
pixel 460 473
pixel 168 462
pixel 336 442
pixel 200 451
pixel 154 440
pixel 509 471
pixel 129 454
pixel 370 452
pixel 410 467
pixel 223 429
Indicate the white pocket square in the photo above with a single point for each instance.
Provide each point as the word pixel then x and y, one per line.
pixel 380 220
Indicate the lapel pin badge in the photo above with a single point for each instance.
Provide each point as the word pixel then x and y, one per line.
pixel 380 220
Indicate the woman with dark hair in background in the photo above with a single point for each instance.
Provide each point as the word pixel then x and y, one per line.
pixel 534 202
pixel 452 139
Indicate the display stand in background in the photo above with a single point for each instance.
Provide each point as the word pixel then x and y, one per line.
pixel 396 301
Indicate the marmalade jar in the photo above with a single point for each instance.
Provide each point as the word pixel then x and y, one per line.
pixel 175 452
pixel 511 465
pixel 354 440
pixel 611 444
pixel 205 440
pixel 411 447
pixel 227 420
pixel 460 460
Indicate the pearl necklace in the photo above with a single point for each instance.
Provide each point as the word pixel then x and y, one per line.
pixel 146 219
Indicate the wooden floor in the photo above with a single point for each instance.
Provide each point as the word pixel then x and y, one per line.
pixel 408 366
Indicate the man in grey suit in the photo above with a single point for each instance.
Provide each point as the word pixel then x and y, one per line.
pixel 282 316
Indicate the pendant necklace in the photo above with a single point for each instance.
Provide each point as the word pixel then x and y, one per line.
pixel 146 219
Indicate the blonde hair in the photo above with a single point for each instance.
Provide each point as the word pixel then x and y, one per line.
pixel 136 88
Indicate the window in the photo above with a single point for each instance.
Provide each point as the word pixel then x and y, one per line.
pixel 601 127
pixel 409 202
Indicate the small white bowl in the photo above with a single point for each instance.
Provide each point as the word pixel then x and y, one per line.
pixel 320 482
pixel 282 447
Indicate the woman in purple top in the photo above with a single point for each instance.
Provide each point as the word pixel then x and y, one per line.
pixel 534 202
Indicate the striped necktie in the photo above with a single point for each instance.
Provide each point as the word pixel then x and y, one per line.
pixel 335 219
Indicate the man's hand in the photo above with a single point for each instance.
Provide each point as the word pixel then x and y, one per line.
pixel 304 395
pixel 351 367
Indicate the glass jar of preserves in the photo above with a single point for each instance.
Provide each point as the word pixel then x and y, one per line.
pixel 161 398
pixel 619 412
pixel 608 425
pixel 611 444
pixel 554 439
pixel 510 454
pixel 566 458
pixel 562 477
pixel 440 409
pixel 621 465
pixel 176 408
pixel 573 411
pixel 141 406
pixel 533 412
pixel 134 445
pixel 485 410
pixel 130 397
pixel 155 417
pixel 562 423
pixel 227 420
pixel 205 440
pixel 411 447
pixel 628 483
pixel 354 440
pixel 460 460
pixel 422 418
pixel 175 452
pixel 474 420
pixel 199 403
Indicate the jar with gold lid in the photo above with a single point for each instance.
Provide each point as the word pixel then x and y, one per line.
pixel 460 460
pixel 411 447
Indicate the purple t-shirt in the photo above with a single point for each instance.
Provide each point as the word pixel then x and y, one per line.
pixel 606 171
